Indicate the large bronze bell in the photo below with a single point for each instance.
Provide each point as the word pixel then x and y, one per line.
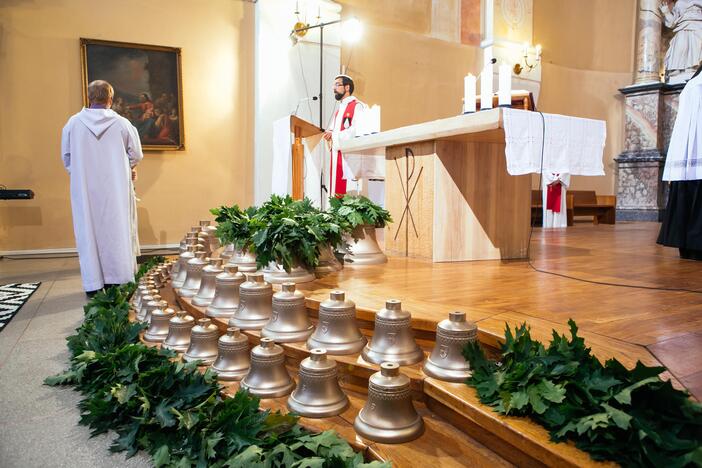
pixel 179 278
pixel 289 321
pixel 297 275
pixel 393 338
pixel 318 394
pixel 179 329
pixel 446 361
pixel 207 285
pixel 364 248
pixel 203 342
pixel 148 303
pixel 159 325
pixel 245 260
pixel 255 297
pixel 160 305
pixel 268 377
pixel 328 263
pixel 337 330
pixel 233 360
pixel 191 285
pixel 226 297
pixel 388 415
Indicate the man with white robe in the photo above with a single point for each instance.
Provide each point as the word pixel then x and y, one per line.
pixel 342 129
pixel 100 149
pixel 682 220
pixel 554 199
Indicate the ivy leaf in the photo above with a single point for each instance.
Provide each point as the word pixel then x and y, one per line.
pixel 162 456
pixel 518 400
pixel 164 416
pixel 551 392
pixel 252 457
pixel 624 396
pixel 620 418
pixel 212 442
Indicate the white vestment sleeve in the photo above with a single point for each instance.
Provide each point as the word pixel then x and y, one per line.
pixel 134 152
pixel 564 179
pixel 66 147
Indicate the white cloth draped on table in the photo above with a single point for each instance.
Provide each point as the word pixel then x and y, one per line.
pixel 684 158
pixel 573 145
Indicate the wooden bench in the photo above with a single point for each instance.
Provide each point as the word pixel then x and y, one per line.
pixel 537 213
pixel 579 203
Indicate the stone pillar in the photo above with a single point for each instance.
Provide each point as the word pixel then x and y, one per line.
pixel 648 42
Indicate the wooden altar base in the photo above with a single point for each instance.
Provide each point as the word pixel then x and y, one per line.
pixel 656 327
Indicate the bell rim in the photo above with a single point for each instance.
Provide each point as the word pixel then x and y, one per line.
pixel 274 392
pixel 321 411
pixel 247 324
pixel 177 348
pixel 446 375
pixel 187 292
pixel 230 375
pixel 366 259
pixel 155 338
pixel 220 312
pixel 298 279
pixel 404 359
pixel 339 349
pixel 389 436
pixel 206 361
pixel 288 337
pixel 200 302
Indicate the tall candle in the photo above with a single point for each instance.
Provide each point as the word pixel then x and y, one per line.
pixel 486 87
pixel 504 91
pixel 469 90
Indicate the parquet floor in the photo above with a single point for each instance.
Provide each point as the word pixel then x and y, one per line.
pixel 655 326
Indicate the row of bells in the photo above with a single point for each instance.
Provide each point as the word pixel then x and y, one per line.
pixel 388 415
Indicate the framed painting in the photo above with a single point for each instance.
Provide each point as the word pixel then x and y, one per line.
pixel 148 87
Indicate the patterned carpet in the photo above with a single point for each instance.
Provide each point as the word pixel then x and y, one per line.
pixel 12 298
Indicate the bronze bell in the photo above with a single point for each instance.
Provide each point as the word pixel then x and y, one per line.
pixel 328 262
pixel 142 290
pixel 211 233
pixel 229 250
pixel 191 285
pixel 233 360
pixel 207 285
pixel 163 271
pixel 203 240
pixel 337 330
pixel 446 361
pixel 156 280
pixel 226 297
pixel 363 247
pixel 225 256
pixel 393 338
pixel 298 274
pixel 178 280
pixel 289 321
pixel 148 303
pixel 255 297
pixel 245 260
pixel 318 394
pixel 203 342
pixel 268 377
pixel 160 305
pixel 179 328
pixel 388 415
pixel 158 328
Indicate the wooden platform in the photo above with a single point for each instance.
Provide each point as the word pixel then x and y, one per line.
pixel 656 327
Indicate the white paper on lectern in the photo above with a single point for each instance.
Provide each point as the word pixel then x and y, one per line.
pixel 281 176
pixel 574 145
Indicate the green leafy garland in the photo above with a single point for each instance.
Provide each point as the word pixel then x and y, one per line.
pixel 629 416
pixel 357 210
pixel 175 412
pixel 234 225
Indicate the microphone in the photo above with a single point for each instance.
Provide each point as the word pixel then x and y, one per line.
pixel 304 99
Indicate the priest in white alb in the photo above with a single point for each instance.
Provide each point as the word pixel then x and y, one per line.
pixel 554 199
pixel 342 129
pixel 100 149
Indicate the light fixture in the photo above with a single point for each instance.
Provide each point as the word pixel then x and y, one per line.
pixel 351 30
pixel 518 68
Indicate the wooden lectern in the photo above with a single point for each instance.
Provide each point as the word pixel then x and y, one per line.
pixel 301 129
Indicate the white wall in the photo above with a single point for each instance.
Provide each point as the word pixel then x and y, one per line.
pixel 286 73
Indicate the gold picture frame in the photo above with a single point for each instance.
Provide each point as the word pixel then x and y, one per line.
pixel 138 73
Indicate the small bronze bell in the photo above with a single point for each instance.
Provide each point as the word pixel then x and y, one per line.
pixel 337 330
pixel 229 250
pixel 226 297
pixel 179 328
pixel 191 285
pixel 393 338
pixel 207 285
pixel 268 377
pixel 255 297
pixel 226 257
pixel 203 342
pixel 142 290
pixel 211 233
pixel 289 321
pixel 233 360
pixel 318 394
pixel 389 416
pixel 297 275
pixel 446 361
pixel 203 241
pixel 158 328
pixel 178 279
pixel 328 263
pixel 148 303
pixel 163 272
pixel 160 305
pixel 156 278
pixel 364 248
pixel 245 260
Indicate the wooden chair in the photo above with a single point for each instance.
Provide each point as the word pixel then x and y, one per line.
pixel 602 208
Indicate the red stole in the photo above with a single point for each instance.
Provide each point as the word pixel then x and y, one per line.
pixel 553 197
pixel 340 187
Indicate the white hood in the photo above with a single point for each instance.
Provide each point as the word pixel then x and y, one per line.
pixel 98 120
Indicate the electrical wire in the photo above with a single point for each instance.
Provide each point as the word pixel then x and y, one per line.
pixel 562 275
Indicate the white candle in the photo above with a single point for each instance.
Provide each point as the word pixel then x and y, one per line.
pixel 375 116
pixel 486 87
pixel 469 90
pixel 504 91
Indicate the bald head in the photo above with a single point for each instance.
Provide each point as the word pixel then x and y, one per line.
pixel 100 92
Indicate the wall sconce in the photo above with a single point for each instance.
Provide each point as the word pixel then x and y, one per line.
pixel 518 67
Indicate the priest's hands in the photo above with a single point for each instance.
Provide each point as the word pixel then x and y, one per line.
pixel 328 135
pixel 134 174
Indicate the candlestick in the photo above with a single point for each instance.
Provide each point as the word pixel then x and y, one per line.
pixel 469 91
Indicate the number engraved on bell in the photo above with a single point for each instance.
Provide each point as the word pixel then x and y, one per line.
pixel 443 351
pixel 391 337
pixel 325 327
pixel 274 316
pixel 371 407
